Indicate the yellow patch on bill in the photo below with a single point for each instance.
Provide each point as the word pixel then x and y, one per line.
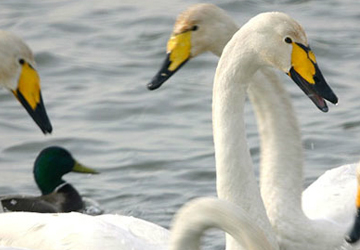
pixel 303 63
pixel 179 47
pixel 29 85
pixel 312 56
pixel 358 197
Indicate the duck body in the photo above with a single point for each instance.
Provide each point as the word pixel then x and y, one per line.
pixel 64 199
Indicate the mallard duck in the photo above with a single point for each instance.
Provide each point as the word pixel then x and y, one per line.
pixel 56 194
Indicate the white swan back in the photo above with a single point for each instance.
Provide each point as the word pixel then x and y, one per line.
pixel 73 231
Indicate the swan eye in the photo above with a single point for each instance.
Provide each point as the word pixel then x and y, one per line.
pixel 195 27
pixel 21 61
pixel 288 40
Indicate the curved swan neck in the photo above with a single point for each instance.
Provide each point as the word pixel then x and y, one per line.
pixel 197 216
pixel 281 172
pixel 234 170
pixel 225 31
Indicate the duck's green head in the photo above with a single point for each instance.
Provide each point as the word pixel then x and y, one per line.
pixel 51 164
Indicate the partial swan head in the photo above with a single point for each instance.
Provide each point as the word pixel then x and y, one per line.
pixel 210 29
pixel 275 39
pixel 353 235
pixel 201 28
pixel 14 54
pixel 18 74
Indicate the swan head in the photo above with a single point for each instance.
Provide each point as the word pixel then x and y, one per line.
pixel 50 166
pixel 18 74
pixel 281 42
pixel 201 28
pixel 353 235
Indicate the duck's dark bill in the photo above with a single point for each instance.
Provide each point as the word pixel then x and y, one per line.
pixel 38 114
pixel 163 74
pixel 316 92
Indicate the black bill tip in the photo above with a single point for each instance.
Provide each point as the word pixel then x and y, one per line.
pixel 163 74
pixel 309 90
pixel 354 234
pixel 322 88
pixel 38 114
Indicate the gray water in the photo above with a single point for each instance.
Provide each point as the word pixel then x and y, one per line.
pixel 154 149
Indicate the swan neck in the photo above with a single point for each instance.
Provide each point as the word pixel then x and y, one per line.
pixel 234 169
pixel 223 37
pixel 199 215
pixel 281 165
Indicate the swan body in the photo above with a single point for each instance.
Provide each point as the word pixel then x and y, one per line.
pixel 335 189
pixel 57 195
pixel 18 74
pixel 80 231
pixel 201 214
pixel 123 232
pixel 279 129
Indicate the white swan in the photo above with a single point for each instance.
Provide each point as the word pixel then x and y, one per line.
pixel 73 231
pixel 320 200
pixel 18 74
pixel 201 214
pixel 331 196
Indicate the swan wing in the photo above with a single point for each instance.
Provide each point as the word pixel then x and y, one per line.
pixel 332 196
pixel 77 231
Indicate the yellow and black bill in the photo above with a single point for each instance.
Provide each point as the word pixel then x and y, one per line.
pixel 353 235
pixel 29 95
pixel 163 74
pixel 307 75
pixel 178 53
